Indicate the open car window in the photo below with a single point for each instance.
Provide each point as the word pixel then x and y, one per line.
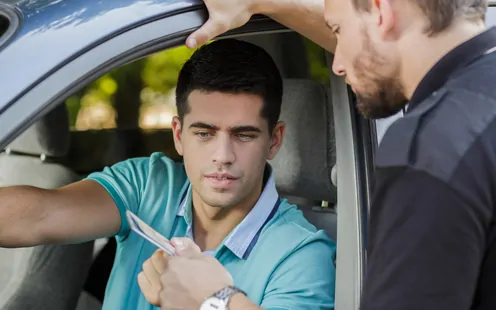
pixel 111 121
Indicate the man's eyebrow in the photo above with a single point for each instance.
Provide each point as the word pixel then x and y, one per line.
pixel 235 129
pixel 245 128
pixel 202 125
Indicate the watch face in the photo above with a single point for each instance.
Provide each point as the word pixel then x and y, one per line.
pixel 213 303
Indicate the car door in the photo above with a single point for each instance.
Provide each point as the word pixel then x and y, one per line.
pixel 106 34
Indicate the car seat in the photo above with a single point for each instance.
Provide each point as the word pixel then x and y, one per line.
pixel 48 277
pixel 304 165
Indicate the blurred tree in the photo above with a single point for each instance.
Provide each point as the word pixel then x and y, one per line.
pixel 126 99
pixel 122 88
pixel 99 93
pixel 161 69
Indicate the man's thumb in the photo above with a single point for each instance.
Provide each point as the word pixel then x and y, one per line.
pixel 185 247
pixel 205 33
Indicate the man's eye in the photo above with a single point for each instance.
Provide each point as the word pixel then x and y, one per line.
pixel 203 134
pixel 245 137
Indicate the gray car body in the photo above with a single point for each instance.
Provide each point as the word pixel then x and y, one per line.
pixel 52 32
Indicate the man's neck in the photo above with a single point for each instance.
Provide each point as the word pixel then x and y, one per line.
pixel 211 225
pixel 421 53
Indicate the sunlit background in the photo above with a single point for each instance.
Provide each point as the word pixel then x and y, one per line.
pixel 146 87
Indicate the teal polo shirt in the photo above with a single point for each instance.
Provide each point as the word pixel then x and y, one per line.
pixel 275 255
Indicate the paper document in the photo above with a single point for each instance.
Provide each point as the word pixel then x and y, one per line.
pixel 145 231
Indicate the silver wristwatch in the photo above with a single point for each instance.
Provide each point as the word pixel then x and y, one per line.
pixel 220 299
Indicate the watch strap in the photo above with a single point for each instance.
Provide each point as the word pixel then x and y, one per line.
pixel 227 292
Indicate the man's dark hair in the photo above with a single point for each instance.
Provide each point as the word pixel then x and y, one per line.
pixel 441 13
pixel 232 66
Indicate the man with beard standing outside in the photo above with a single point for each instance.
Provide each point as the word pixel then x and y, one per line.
pixel 432 237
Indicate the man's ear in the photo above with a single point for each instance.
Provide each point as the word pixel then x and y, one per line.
pixel 276 139
pixel 176 133
pixel 386 18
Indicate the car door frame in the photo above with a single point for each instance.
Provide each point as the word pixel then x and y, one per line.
pixel 355 138
pixel 172 31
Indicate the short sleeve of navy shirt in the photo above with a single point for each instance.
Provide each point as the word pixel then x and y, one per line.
pixel 432 234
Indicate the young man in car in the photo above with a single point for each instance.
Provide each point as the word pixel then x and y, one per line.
pixel 223 195
pixel 432 230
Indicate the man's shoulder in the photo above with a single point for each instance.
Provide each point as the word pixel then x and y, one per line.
pixel 156 160
pixel 293 263
pixel 157 164
pixel 290 231
pixel 295 253
pixel 136 183
pixel 438 134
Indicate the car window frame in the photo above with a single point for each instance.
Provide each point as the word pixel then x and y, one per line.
pixel 353 173
pixel 136 42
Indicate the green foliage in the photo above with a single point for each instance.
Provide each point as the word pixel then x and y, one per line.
pixel 101 90
pixel 158 71
pixel 161 70
pixel 73 104
pixel 317 60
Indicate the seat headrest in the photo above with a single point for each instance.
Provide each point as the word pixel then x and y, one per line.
pixel 50 135
pixel 303 166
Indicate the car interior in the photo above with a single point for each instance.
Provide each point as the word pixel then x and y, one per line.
pixel 51 154
pixel 43 277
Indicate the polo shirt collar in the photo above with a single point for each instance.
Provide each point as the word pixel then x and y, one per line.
pixel 244 236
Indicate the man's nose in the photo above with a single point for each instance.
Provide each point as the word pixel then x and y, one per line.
pixel 337 64
pixel 224 153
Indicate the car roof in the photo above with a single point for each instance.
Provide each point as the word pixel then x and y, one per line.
pixel 36 9
pixel 53 31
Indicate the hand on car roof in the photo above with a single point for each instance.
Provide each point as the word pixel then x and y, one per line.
pixel 303 16
pixel 224 15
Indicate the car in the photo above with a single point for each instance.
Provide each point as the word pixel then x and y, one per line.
pixel 54 52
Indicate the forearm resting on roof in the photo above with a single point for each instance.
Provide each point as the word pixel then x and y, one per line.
pixel 79 212
pixel 303 16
